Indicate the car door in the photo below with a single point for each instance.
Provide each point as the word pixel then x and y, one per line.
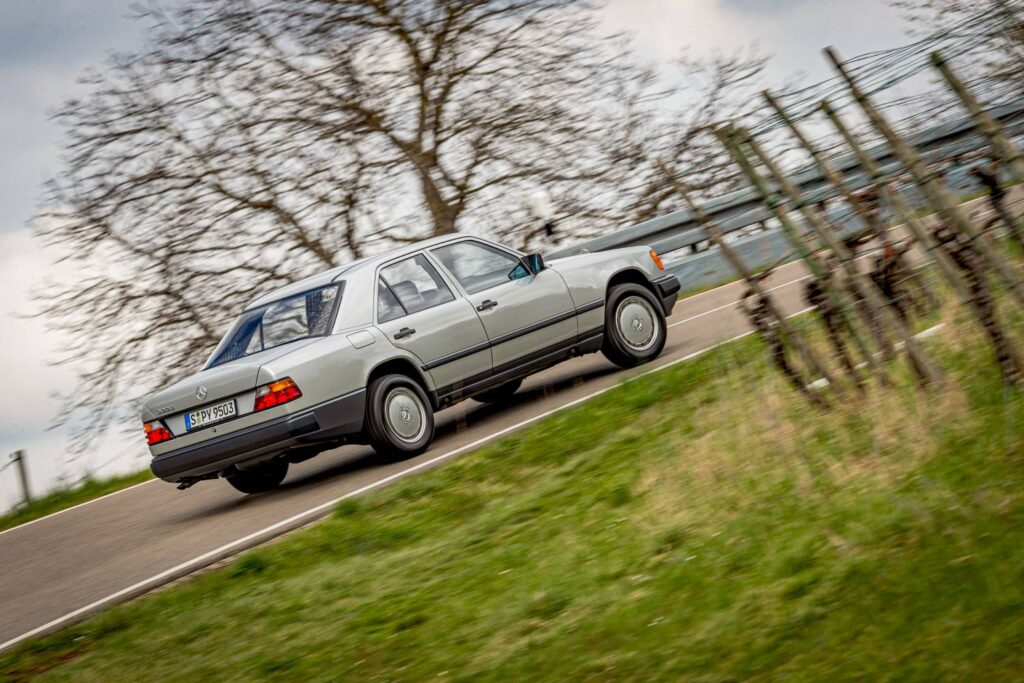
pixel 418 312
pixel 525 315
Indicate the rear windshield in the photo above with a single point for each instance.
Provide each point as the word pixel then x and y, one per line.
pixel 298 317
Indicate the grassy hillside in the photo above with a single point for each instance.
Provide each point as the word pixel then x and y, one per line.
pixel 698 524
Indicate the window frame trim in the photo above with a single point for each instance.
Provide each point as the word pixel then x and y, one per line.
pixel 483 243
pixel 379 278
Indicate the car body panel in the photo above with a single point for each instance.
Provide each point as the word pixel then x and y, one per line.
pixel 530 313
pixel 455 352
pixel 448 341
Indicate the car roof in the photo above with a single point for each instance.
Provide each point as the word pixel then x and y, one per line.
pixel 368 263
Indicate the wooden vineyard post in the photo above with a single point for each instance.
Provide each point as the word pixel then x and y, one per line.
pixel 892 197
pixel 792 233
pixel 1001 145
pixel 717 237
pixel 938 194
pixel 896 200
pixel 989 127
pixel 925 367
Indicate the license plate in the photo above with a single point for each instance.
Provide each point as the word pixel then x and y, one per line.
pixel 210 414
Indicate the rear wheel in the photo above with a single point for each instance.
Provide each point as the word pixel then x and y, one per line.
pixel 260 478
pixel 399 420
pixel 499 394
pixel 634 328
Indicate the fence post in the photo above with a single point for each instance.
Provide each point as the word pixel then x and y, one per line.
pixel 865 286
pixel 716 236
pixel 778 209
pixel 895 199
pixel 18 458
pixel 891 197
pixel 989 127
pixel 938 194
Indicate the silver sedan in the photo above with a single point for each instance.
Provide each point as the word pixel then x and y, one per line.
pixel 368 352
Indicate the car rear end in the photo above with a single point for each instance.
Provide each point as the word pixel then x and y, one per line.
pixel 253 403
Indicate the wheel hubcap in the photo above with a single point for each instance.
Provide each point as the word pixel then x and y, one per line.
pixel 404 412
pixel 637 322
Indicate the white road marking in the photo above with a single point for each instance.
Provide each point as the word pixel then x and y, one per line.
pixel 312 513
pixel 734 304
pixel 75 507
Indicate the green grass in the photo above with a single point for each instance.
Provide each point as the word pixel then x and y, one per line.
pixel 701 523
pixel 59 500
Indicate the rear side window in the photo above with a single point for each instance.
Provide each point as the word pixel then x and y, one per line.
pixel 297 317
pixel 475 266
pixel 414 284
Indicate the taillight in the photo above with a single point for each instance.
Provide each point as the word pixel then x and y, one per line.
pixel 276 393
pixel 657 260
pixel 156 433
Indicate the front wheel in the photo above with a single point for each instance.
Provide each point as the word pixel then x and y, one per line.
pixel 399 421
pixel 262 477
pixel 634 327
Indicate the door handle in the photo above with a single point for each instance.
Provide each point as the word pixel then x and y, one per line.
pixel 405 332
pixel 486 304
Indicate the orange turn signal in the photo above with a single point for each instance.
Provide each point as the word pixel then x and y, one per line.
pixel 657 260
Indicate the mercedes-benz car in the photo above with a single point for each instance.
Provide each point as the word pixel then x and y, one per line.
pixel 368 352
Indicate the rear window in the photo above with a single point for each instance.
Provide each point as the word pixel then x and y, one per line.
pixel 302 316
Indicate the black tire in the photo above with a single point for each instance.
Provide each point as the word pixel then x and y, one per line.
pixel 500 394
pixel 629 314
pixel 399 419
pixel 262 477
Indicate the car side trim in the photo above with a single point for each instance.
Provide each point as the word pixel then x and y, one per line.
pixel 539 325
pixel 458 355
pixel 586 308
pixel 585 342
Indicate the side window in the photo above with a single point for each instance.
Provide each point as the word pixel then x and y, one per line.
pixel 415 284
pixel 477 267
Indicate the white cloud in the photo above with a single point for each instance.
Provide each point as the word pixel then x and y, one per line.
pixel 792 31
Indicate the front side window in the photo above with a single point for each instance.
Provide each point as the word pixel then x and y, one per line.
pixel 478 267
pixel 415 284
pixel 296 317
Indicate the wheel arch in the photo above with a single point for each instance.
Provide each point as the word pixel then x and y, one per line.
pixel 629 275
pixel 403 366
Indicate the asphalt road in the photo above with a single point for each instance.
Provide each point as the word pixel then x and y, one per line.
pixel 65 566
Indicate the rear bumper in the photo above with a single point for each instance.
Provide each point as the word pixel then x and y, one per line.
pixel 668 291
pixel 329 421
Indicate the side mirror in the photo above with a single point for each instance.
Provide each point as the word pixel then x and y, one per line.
pixel 535 262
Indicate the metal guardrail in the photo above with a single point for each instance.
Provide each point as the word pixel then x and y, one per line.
pixel 684 247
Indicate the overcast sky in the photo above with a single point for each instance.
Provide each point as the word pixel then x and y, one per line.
pixel 46 44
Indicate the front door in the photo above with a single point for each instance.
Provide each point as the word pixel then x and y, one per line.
pixel 418 312
pixel 526 317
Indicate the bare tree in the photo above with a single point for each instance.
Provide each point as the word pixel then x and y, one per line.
pixel 722 88
pixel 254 142
pixel 992 30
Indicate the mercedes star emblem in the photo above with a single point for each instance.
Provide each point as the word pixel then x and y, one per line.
pixel 201 392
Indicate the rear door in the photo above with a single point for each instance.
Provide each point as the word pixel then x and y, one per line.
pixel 418 312
pixel 525 315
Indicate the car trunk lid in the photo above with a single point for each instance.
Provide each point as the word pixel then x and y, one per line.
pixel 215 384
